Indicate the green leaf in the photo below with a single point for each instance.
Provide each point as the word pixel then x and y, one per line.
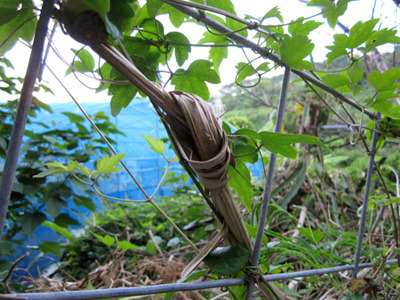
pixel 193 80
pixel 305 28
pixel 279 143
pixel 153 7
pixel 65 220
pixel 85 171
pixel 122 95
pixel 8 11
pixel 313 236
pixel 384 105
pixel 85 202
pixel 175 16
pixel 122 14
pixel 31 221
pixel 50 247
pixel 108 164
pixel 54 205
pixel 361 32
pixel 125 245
pixel 25 21
pixel 332 10
pixel 381 37
pixel 227 260
pixel 246 153
pixel 56 164
pixel 294 49
pixel 355 73
pixel 273 13
pixel 181 51
pixel 74 118
pixel 64 232
pixel 217 54
pixel 85 62
pixel 240 182
pixel 384 81
pixel 338 49
pixel 107 239
pixel 50 171
pixel 244 70
pixel 156 145
pixel 225 5
pixel 252 230
pixel 336 81
pixel 249 133
pixel 72 165
pixel 151 249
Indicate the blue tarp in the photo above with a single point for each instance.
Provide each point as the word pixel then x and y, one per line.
pixel 146 165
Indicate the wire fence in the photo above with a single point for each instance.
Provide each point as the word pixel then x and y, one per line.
pixel 175 287
pixel 179 287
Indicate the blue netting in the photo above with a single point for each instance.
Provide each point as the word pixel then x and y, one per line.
pixel 146 165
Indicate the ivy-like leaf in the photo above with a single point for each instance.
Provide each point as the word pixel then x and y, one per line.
pixel 108 164
pixel 240 182
pixel 337 81
pixel 227 260
pixel 25 21
pixel 216 54
pixel 74 118
pixel 84 170
pixel 85 202
pixel 361 32
pixel 332 11
pixel 122 95
pixel 50 247
pixel 279 143
pixel 107 239
pixel 156 145
pixel 273 13
pixel 125 245
pixel 175 16
pixel 244 70
pixel 384 105
pixel 85 62
pixel 181 45
pixel 384 81
pixel 381 37
pixel 65 220
pixel 225 5
pixel 252 230
pixel 294 49
pixel 153 7
pixel 193 79
pixel 305 28
pixel 338 49
pixel 355 73
pixel 30 222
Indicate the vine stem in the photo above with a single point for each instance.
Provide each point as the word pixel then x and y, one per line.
pixel 14 146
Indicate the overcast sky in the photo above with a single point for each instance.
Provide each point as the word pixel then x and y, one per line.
pixel 290 9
